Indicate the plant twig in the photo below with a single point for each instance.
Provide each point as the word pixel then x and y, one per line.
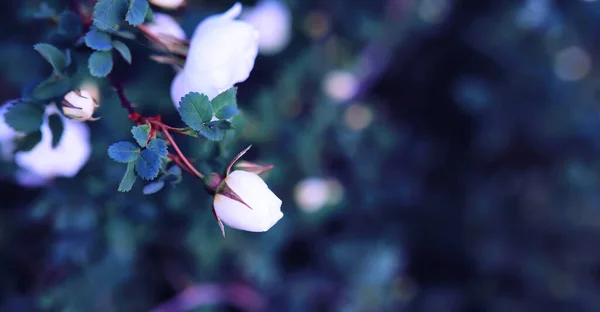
pixel 180 154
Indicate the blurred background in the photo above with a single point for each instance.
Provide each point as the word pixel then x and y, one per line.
pixel 431 155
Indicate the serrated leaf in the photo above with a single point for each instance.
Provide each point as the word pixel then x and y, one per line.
pixel 108 14
pixel 147 165
pixel 98 40
pixel 141 134
pixel 128 178
pixel 29 141
pixel 123 152
pixel 123 50
pixel 69 24
pixel 55 86
pixel 137 12
pixel 195 109
pixel 215 130
pixel 25 116
pixel 159 146
pixel 56 127
pixel 225 104
pixel 100 63
pixel 54 56
pixel 153 187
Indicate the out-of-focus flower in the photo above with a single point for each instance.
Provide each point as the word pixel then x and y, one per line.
pixel 358 117
pixel 255 207
pixel 7 135
pixel 222 53
pixel 312 194
pixel 572 63
pixel 340 85
pixel 273 21
pixel 168 4
pixel 79 105
pixel 64 160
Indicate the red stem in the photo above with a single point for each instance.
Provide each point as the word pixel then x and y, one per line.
pixel 183 158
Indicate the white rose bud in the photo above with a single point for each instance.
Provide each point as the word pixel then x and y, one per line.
pixel 79 105
pixel 222 53
pixel 168 4
pixel 273 21
pixel 64 160
pixel 255 209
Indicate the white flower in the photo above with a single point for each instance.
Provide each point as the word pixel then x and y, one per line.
pixel 260 209
pixel 66 159
pixel 273 21
pixel 7 135
pixel 168 4
pixel 166 26
pixel 79 105
pixel 222 53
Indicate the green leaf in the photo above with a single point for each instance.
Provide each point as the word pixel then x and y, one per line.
pixel 225 104
pixel 56 127
pixel 69 24
pixel 123 50
pixel 141 134
pixel 137 12
pixel 98 40
pixel 153 187
pixel 29 141
pixel 54 56
pixel 123 152
pixel 215 130
pixel 195 109
pixel 173 175
pixel 149 15
pixel 55 86
pixel 128 178
pixel 25 116
pixel 159 146
pixel 147 165
pixel 100 63
pixel 108 14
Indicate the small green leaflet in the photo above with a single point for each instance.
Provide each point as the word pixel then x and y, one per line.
pixel 128 178
pixel 137 12
pixel 215 130
pixel 159 146
pixel 25 116
pixel 100 63
pixel 54 86
pixel 123 152
pixel 148 164
pixel 141 134
pixel 108 14
pixel 123 50
pixel 153 187
pixel 195 109
pixel 225 104
pixel 98 40
pixel 54 56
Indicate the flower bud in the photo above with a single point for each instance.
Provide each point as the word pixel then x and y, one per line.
pixel 245 202
pixel 79 105
pixel 168 4
pixel 222 53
